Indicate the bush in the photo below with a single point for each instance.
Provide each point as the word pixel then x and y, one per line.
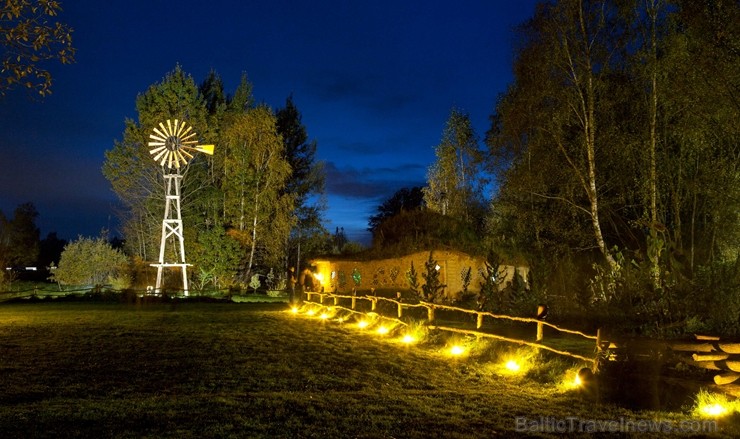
pixel 90 262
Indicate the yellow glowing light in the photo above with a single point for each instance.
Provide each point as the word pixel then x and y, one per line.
pixel 319 277
pixel 341 319
pixel 513 366
pixel 362 324
pixel 577 381
pixel 408 339
pixel 294 310
pixel 383 330
pixel 310 312
pixel 457 350
pixel 714 409
pixel 324 316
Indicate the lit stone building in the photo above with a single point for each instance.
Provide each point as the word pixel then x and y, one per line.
pixel 342 275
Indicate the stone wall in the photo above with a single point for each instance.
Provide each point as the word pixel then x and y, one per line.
pixel 340 275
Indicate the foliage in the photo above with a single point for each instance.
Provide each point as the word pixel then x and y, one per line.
pixel 433 289
pixel 404 199
pixel 90 262
pixel 305 183
pixel 454 183
pixel 612 153
pixel 216 255
pixel 30 36
pixel 19 237
pixel 418 230
pixel 412 279
pixel 493 274
pixel 255 282
pixel 466 276
pixel 256 207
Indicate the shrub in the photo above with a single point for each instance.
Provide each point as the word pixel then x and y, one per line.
pixel 89 262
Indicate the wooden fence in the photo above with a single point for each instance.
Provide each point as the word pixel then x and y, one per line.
pixel 431 308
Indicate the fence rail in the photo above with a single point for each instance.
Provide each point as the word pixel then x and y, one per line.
pixel 480 315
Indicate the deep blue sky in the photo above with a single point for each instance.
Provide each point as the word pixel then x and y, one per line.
pixel 374 80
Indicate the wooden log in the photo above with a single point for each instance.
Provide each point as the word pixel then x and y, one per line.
pixel 479 321
pixel 726 378
pixel 540 331
pixel 732 365
pixel 730 348
pixel 430 314
pixel 706 337
pixel 373 304
pixel 691 347
pixel 400 310
pixel 710 357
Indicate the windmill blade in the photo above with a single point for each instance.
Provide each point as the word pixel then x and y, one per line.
pixel 187 154
pixel 175 127
pixel 188 136
pixel 156 144
pixel 161 139
pixel 181 128
pixel 172 159
pixel 164 158
pixel 169 126
pixel 156 150
pixel 160 154
pixel 181 158
pixel 164 130
pixel 162 135
pixel 189 142
pixel 187 130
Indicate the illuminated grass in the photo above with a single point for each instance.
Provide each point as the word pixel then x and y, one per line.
pixel 230 370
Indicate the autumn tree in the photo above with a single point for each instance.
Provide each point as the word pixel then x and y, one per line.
pixel 454 181
pixel 30 35
pixel 255 167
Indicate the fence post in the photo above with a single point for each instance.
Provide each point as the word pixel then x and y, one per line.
pixel 336 300
pixel 400 307
pixel 321 298
pixel 354 298
pixel 308 296
pixel 430 314
pixel 374 304
pixel 541 315
pixel 479 323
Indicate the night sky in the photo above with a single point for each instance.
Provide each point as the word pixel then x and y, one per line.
pixel 374 81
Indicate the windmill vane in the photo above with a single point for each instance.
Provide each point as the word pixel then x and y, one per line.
pixel 173 143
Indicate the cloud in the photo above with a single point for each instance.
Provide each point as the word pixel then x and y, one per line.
pixel 374 184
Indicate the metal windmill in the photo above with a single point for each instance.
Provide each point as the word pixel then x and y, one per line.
pixel 173 145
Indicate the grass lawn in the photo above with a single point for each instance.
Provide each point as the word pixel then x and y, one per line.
pixel 255 370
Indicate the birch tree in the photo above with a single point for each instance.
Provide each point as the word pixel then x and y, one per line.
pixel 255 173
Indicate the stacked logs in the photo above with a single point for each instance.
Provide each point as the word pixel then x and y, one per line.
pixel 708 352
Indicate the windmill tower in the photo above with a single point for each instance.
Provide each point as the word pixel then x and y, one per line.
pixel 172 146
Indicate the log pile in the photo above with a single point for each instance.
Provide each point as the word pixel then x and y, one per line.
pixel 708 352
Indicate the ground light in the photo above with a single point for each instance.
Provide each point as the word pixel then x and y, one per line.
pixel 513 366
pixel 362 324
pixel 712 405
pixel 311 312
pixel 383 330
pixel 456 350
pixel 324 316
pixel 294 310
pixel 408 339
